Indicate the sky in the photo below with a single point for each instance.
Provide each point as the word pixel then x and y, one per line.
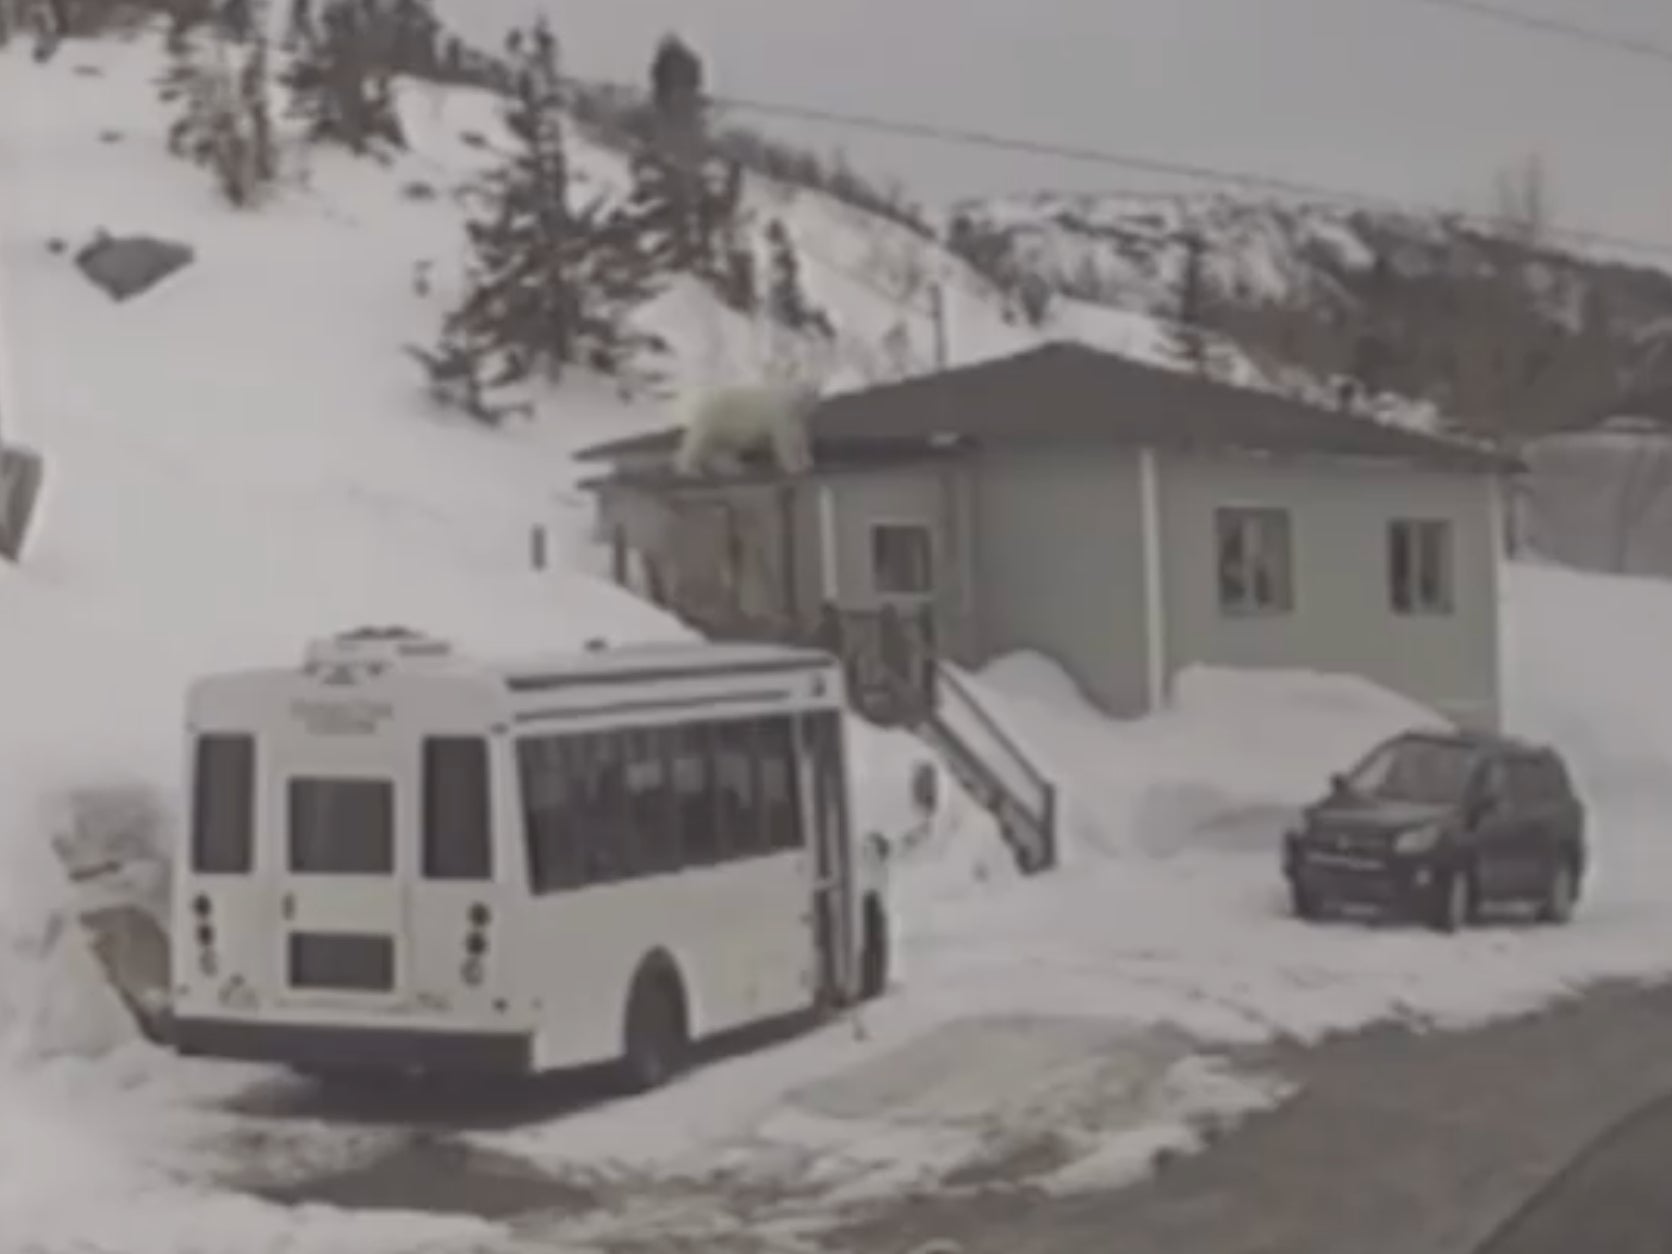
pixel 1394 98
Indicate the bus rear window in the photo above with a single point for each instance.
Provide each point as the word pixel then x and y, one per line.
pixel 223 804
pixel 456 817
pixel 342 826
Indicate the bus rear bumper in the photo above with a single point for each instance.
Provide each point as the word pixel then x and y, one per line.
pixel 388 1050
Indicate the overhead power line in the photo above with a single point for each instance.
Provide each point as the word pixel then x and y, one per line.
pixel 1561 28
pixel 1247 180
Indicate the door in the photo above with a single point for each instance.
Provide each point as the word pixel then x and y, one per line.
pixel 1497 837
pixel 1539 799
pixel 341 901
pixel 833 905
pixel 1516 834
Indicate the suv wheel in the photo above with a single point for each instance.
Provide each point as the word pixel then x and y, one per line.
pixel 1454 901
pixel 1560 892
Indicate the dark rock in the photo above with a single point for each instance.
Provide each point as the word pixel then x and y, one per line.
pixel 126 266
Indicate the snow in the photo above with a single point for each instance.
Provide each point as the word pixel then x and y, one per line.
pixel 241 461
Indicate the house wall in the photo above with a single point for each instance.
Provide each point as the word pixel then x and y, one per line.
pixel 1342 619
pixel 1059 565
pixel 718 549
pixel 925 493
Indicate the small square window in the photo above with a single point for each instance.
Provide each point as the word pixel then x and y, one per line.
pixel 902 559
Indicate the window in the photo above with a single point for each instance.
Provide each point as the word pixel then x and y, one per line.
pixel 737 790
pixel 1423 770
pixel 342 826
pixel 554 850
pixel 1537 779
pixel 780 794
pixel 691 777
pixel 598 805
pixel 223 805
pixel 611 806
pixel 457 833
pixel 652 827
pixel 1256 562
pixel 902 559
pixel 1523 781
pixel 1419 566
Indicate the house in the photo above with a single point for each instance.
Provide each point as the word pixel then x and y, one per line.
pixel 1126 520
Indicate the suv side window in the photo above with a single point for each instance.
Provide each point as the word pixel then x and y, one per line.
pixel 1525 781
pixel 1554 784
pixel 1490 780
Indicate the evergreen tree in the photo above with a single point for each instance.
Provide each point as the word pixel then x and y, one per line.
pixel 254 84
pixel 222 123
pixel 340 84
pixel 786 299
pixel 550 285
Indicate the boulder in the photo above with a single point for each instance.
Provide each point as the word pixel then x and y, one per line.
pixel 128 265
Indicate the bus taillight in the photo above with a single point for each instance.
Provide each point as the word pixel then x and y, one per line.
pixel 476 944
pixel 206 961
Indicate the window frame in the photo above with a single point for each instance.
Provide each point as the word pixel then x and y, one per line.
pixel 1246 522
pixel 1407 557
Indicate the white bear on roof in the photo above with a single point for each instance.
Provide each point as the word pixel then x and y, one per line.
pixel 729 422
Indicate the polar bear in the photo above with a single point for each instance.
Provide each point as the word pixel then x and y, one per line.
pixel 729 422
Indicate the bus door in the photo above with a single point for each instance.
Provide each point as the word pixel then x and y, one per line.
pixel 834 909
pixel 337 805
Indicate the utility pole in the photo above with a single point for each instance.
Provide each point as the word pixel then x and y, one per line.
pixel 937 314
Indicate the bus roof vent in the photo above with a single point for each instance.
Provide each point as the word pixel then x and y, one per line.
pixel 372 649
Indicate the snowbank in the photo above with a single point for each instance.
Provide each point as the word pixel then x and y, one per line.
pixel 1233 750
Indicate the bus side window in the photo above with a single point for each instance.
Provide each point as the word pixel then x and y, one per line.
pixel 599 805
pixel 737 790
pixel 651 810
pixel 456 820
pixel 779 792
pixel 223 805
pixel 693 795
pixel 554 861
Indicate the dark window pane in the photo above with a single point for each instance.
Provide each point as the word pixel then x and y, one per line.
pixel 554 860
pixel 653 810
pixel 223 805
pixel 780 792
pixel 457 832
pixel 342 826
pixel 737 790
pixel 692 780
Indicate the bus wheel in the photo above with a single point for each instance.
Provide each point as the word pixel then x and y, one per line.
pixel 658 1036
pixel 873 952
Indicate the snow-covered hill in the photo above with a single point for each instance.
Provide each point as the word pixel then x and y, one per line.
pixel 242 459
pixel 1300 286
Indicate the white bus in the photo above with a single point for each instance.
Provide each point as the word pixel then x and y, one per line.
pixel 403 860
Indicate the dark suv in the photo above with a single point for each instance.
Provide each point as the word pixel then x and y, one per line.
pixel 1442 825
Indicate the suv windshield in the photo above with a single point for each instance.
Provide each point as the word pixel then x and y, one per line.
pixel 1415 769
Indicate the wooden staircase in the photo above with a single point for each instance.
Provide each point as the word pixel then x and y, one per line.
pixel 994 770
